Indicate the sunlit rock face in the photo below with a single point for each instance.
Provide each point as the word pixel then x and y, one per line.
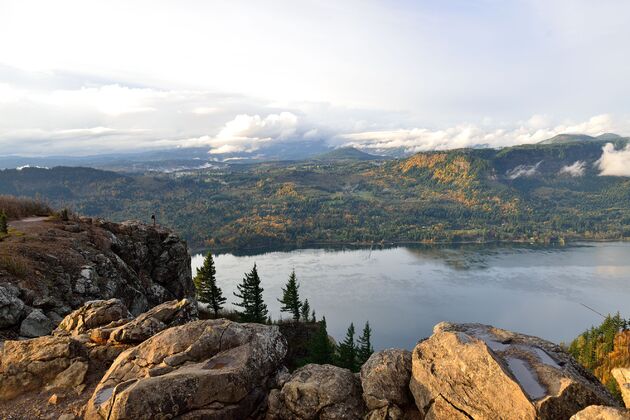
pixel 203 369
pixel 478 371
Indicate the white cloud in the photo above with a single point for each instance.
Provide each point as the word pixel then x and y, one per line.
pixel 614 162
pixel 576 169
pixel 247 133
pixel 470 135
pixel 523 171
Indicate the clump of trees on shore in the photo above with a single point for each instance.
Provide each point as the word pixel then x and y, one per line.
pixel 321 347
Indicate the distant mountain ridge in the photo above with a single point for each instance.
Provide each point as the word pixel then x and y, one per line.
pixel 573 138
pixel 349 153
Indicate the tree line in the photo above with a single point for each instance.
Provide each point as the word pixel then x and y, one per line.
pixel 349 354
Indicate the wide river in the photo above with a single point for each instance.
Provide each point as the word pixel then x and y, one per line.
pixel 405 291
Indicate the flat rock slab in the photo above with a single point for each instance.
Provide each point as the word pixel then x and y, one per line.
pixel 480 371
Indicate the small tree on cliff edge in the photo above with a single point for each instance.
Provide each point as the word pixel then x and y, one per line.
pixel 321 349
pixel 364 345
pixel 306 310
pixel 206 285
pixel 250 294
pixel 291 298
pixel 347 354
pixel 4 228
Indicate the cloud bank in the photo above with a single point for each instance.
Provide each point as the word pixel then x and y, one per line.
pixel 534 130
pixel 614 162
pixel 523 171
pixel 59 113
pixel 577 169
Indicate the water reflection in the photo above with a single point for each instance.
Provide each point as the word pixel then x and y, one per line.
pixel 404 291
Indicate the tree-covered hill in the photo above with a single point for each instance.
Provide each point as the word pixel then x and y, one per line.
pixel 536 192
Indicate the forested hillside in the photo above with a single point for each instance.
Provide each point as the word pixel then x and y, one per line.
pixel 537 192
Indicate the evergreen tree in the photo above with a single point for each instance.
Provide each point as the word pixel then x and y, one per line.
pixel 4 228
pixel 206 285
pixel 321 349
pixel 306 310
pixel 291 298
pixel 364 345
pixel 250 294
pixel 313 317
pixel 347 351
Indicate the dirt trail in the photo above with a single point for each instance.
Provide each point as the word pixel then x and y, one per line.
pixel 27 222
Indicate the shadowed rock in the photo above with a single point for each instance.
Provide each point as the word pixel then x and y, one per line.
pixel 318 392
pixel 385 380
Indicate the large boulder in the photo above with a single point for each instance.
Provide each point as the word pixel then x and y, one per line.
pixel 622 376
pixel 318 392
pixel 146 325
pixel 94 314
pixel 36 324
pixel 11 306
pixel 478 371
pixel 385 381
pixel 203 369
pixel 51 362
pixel 600 412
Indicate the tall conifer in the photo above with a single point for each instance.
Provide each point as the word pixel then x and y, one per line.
pixel 291 298
pixel 306 310
pixel 206 285
pixel 364 345
pixel 347 351
pixel 251 298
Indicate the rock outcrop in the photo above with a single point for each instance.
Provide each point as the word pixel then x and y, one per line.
pixel 203 369
pixel 163 316
pixel 94 314
pixel 385 381
pixel 600 412
pixel 477 371
pixel 54 267
pixel 622 376
pixel 51 362
pixel 318 392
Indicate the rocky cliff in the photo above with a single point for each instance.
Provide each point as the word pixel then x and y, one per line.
pixel 49 267
pixel 101 363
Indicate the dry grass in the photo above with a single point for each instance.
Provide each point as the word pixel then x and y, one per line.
pixel 17 207
pixel 14 265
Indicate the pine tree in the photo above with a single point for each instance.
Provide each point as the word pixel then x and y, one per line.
pixel 206 285
pixel 313 317
pixel 4 228
pixel 347 352
pixel 364 345
pixel 291 298
pixel 250 294
pixel 306 310
pixel 321 349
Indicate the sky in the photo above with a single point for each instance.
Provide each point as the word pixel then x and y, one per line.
pixel 85 77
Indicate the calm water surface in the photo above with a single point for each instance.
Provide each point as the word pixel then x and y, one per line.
pixel 404 291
